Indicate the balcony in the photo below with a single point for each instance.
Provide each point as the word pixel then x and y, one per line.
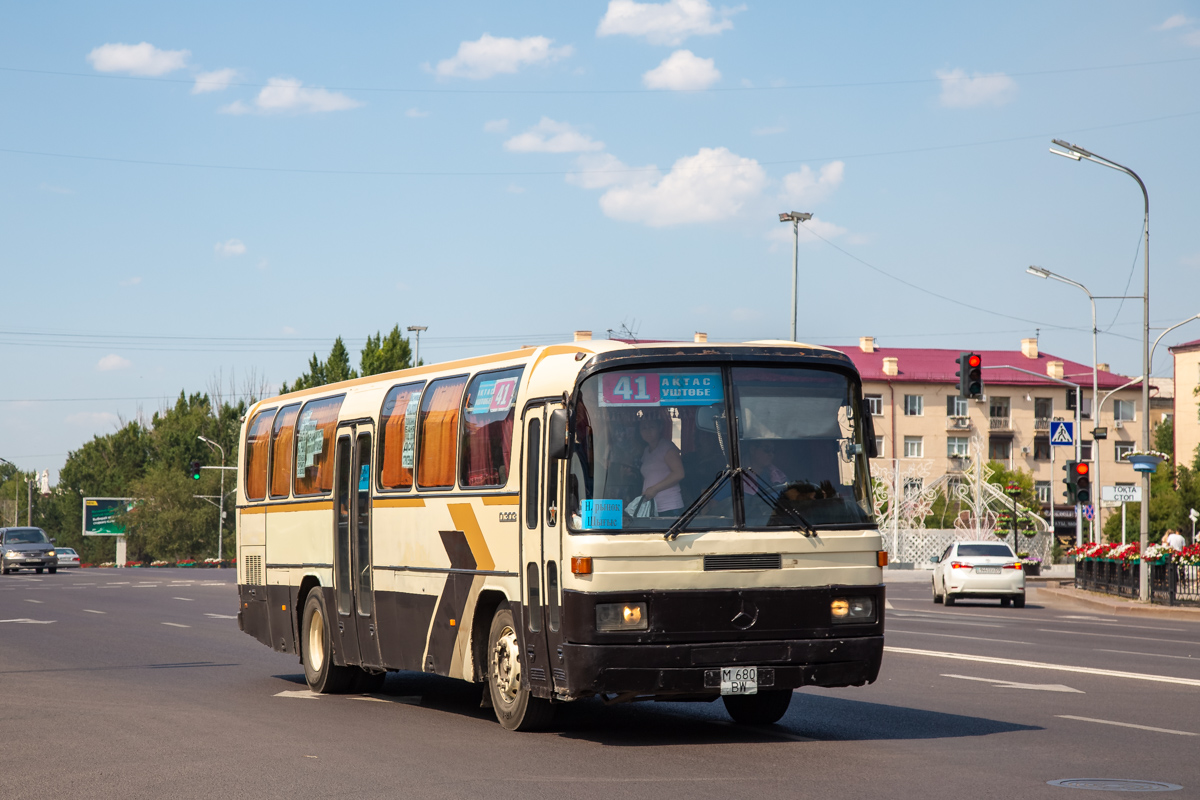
pixel 958 423
pixel 1041 424
pixel 1000 424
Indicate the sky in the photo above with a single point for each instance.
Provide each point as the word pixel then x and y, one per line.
pixel 201 195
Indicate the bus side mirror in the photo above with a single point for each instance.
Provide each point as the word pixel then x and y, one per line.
pixel 556 434
pixel 869 429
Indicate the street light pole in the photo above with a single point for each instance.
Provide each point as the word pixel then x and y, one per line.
pixel 1076 153
pixel 417 329
pixel 221 502
pixel 795 217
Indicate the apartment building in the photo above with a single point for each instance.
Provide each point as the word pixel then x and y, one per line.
pixel 918 414
pixel 1187 402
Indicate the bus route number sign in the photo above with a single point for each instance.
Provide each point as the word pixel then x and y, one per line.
pixel 739 680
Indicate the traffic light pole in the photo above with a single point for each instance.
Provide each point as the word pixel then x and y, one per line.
pixel 1078 432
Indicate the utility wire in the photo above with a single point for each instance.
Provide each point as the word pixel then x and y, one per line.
pixel 713 90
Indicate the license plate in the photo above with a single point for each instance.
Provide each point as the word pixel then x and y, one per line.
pixel 739 680
pixel 33 561
pixel 988 570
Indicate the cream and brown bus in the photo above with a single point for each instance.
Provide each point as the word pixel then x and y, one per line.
pixel 631 521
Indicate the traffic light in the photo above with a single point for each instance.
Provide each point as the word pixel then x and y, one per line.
pixel 194 468
pixel 970 376
pixel 1079 482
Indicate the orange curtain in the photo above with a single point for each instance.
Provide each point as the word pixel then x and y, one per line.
pixel 281 451
pixel 258 441
pixel 439 432
pixel 320 415
pixel 393 474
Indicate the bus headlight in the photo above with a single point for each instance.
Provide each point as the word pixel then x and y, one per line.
pixel 622 617
pixel 852 609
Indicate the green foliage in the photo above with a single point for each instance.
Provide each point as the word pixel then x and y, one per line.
pixel 385 354
pixel 1164 437
pixel 333 369
pixel 1001 477
pixel 167 522
pixel 1173 492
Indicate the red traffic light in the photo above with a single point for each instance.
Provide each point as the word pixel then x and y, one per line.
pixel 1081 468
pixel 974 360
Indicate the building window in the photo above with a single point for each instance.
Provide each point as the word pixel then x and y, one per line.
pixel 1086 411
pixel 914 405
pixel 1041 448
pixel 957 446
pixel 956 406
pixel 914 447
pixel 1085 451
pixel 913 488
pixel 879 447
pixel 1043 491
pixel 1123 449
pixel 875 404
pixel 999 448
pixel 1123 410
pixel 1043 407
pixel 1000 408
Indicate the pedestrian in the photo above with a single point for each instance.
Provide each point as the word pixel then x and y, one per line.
pixel 1174 540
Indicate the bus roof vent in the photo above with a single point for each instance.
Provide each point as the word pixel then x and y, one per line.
pixel 583 336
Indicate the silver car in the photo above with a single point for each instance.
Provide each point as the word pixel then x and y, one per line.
pixel 26 548
pixel 67 557
pixel 979 570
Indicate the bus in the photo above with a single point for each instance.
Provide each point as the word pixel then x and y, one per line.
pixel 630 521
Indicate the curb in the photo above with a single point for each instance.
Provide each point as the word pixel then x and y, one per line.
pixel 1121 608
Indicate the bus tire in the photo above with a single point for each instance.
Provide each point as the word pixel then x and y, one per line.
pixel 764 708
pixel 515 707
pixel 316 649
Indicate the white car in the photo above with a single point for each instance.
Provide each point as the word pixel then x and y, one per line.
pixel 977 570
pixel 67 557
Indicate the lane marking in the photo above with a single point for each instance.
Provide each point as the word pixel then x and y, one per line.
pixel 888 604
pixel 1096 621
pixel 1012 662
pixel 951 621
pixel 1135 653
pixel 176 625
pixel 1037 687
pixel 1117 636
pixel 222 616
pixel 1127 725
pixel 183 598
pixel 94 611
pixel 39 602
pixel 957 636
pixel 118 583
pixel 24 621
pixel 302 693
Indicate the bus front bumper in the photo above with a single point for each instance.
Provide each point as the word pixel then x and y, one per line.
pixel 694 669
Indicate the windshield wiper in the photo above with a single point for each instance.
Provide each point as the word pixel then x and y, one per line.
pixel 691 511
pixel 775 501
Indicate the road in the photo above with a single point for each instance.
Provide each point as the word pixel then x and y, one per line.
pixel 137 683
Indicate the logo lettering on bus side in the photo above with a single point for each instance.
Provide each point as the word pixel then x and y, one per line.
pixel 508 516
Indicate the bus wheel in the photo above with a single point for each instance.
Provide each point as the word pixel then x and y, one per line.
pixel 764 708
pixel 316 650
pixel 515 707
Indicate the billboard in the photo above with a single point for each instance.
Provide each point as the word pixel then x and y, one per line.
pixel 100 515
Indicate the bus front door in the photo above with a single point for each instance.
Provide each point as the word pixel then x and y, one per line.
pixel 353 587
pixel 552 556
pixel 532 623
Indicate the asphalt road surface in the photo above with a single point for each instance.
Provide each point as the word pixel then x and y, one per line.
pixel 137 683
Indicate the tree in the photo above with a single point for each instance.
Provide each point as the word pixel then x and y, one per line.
pixel 385 354
pixel 333 369
pixel 1174 490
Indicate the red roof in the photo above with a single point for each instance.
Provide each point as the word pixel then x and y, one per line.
pixel 1185 346
pixel 922 365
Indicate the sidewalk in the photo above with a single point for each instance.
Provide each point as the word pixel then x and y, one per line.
pixel 1109 604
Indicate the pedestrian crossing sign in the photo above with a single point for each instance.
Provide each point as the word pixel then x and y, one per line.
pixel 1062 433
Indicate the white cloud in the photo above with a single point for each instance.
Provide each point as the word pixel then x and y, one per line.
pixel 1191 261
pixel 137 59
pixel 602 170
pixel 236 107
pixel 682 71
pixel 216 81
pixel 416 113
pixel 111 362
pixel 288 330
pixel 93 419
pixel 769 130
pixel 1174 21
pixel 230 247
pixel 710 186
pixel 515 189
pixel 495 126
pixel 1192 39
pixel 962 91
pixel 549 136
pixel 288 94
pixel 667 23
pixel 782 234
pixel 809 188
pixel 134 281
pixel 491 55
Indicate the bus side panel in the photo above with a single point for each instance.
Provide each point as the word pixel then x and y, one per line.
pixel 280 613
pixel 403 626
pixel 298 535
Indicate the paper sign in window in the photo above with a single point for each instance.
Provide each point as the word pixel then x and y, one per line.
pixel 408 453
pixel 601 515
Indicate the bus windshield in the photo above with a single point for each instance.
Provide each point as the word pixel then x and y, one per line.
pixel 648 444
